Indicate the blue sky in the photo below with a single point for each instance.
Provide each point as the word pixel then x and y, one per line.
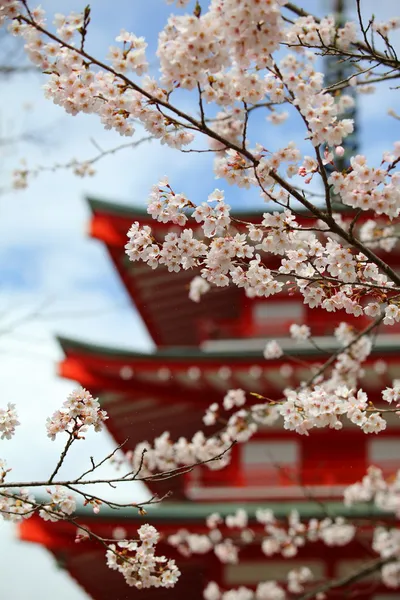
pixel 55 280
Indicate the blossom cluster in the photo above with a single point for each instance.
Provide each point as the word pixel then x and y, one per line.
pixel 310 32
pixel 61 503
pixel 265 590
pixel 374 487
pixel 214 50
pixel 131 57
pixel 166 206
pixel 378 235
pixel 228 535
pixel 370 188
pixel 387 544
pixel 323 402
pixel 319 109
pixel 138 562
pixel 79 412
pixel 276 537
pixel 16 505
pixel 165 455
pixel 287 541
pixel 196 49
pixel 300 332
pixel 241 424
pixel 385 495
pixel 326 273
pixel 385 27
pixel 198 287
pixel 319 408
pixel 8 421
pixel 78 87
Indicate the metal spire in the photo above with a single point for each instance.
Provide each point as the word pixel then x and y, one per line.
pixel 338 69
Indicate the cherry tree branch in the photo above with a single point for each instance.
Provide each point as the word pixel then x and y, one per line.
pixel 67 446
pixel 370 568
pixel 168 474
pixel 204 128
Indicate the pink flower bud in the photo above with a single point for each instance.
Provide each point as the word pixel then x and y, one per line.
pixel 339 151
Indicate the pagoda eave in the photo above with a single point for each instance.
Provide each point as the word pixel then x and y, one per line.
pixel 86 560
pixel 161 297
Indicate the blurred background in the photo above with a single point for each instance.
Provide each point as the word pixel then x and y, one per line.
pixel 54 280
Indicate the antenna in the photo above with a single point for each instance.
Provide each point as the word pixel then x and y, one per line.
pixel 337 69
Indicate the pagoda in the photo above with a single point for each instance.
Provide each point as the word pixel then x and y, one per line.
pixel 202 350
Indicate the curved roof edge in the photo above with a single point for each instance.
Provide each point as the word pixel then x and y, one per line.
pixel 124 210
pixel 390 345
pixel 199 511
pixel 117 208
pixel 97 205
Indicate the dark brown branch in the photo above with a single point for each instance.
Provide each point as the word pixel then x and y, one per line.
pixel 347 580
pixel 156 477
pixel 67 446
pixel 333 357
pixel 328 219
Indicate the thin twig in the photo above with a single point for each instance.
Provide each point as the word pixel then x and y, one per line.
pixel 347 580
pixel 67 446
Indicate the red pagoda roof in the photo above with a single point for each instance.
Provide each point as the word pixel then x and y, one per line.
pixel 86 561
pixel 161 297
pixel 201 375
pixel 169 390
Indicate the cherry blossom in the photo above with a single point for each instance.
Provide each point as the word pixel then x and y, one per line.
pixel 8 421
pixel 139 564
pixel 300 332
pixel 234 398
pixel 375 488
pixel 198 287
pixel 79 412
pixel 272 350
pixel 16 505
pixel 236 59
pixel 61 503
